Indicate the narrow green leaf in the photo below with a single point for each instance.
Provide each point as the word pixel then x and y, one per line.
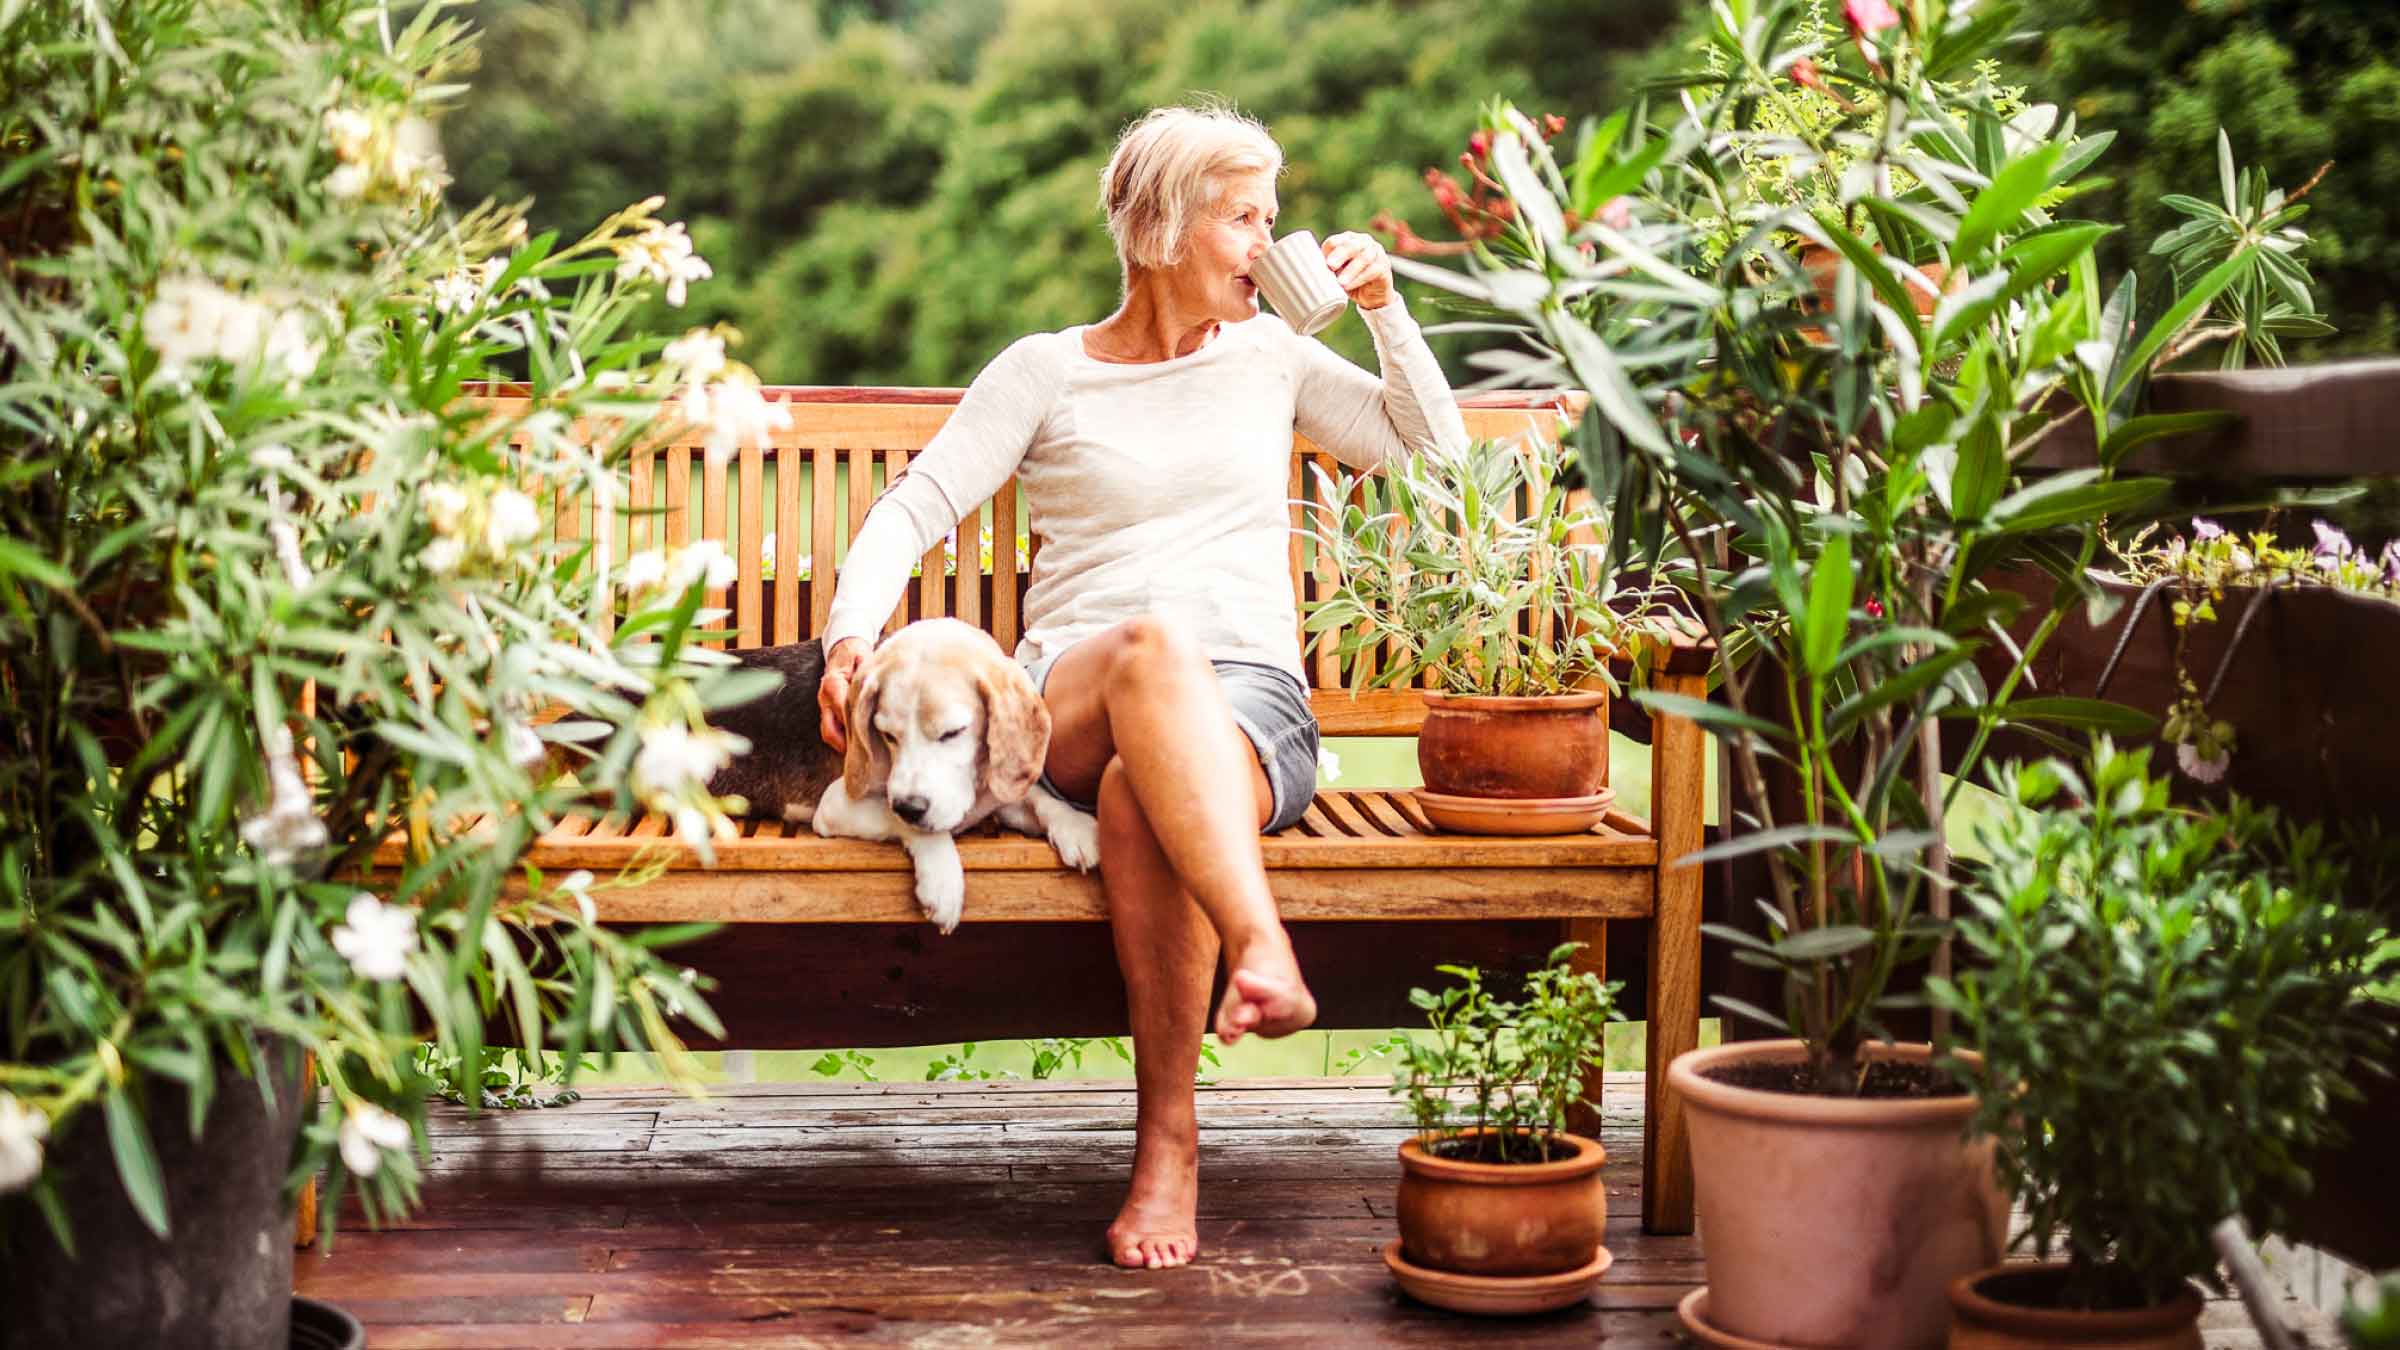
pixel 1999 207
pixel 137 1162
pixel 1829 589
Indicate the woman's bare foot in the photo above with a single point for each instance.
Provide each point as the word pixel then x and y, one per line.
pixel 1264 994
pixel 1157 1227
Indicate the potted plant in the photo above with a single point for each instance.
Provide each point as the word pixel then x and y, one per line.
pixel 1478 574
pixel 1836 504
pixel 1501 1209
pixel 275 595
pixel 2148 982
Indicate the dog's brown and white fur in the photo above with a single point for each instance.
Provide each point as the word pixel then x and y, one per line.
pixel 944 731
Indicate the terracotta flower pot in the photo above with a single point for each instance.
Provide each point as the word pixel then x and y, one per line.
pixel 1553 746
pixel 2009 1308
pixel 1835 1221
pixel 1476 1218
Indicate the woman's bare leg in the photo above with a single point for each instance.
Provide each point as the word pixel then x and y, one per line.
pixel 1146 696
pixel 1168 953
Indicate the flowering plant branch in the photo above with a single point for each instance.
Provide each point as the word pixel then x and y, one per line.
pixel 275 592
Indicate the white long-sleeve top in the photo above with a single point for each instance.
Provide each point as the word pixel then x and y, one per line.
pixel 1156 488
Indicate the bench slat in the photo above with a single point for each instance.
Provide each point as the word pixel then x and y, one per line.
pixel 1050 895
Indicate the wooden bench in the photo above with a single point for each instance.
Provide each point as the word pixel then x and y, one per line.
pixel 1361 855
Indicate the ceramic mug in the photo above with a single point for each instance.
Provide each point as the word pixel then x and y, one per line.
pixel 1293 277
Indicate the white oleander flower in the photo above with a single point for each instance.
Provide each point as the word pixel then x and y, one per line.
pixel 525 749
pixel 673 757
pixel 1329 764
pixel 443 555
pixel 444 505
pixel 699 355
pixel 463 288
pixel 415 163
pixel 288 828
pixel 644 571
pixel 579 885
pixel 511 519
pixel 287 551
pixel 271 457
pixel 376 938
pixel 351 131
pixel 347 183
pixel 289 349
pixel 185 321
pixel 662 252
pixel 22 1130
pixel 735 414
pixel 705 561
pixel 366 1132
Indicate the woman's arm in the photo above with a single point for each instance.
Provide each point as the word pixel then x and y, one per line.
pixel 1361 420
pixel 957 471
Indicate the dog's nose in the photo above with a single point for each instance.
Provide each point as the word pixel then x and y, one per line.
pixel 910 809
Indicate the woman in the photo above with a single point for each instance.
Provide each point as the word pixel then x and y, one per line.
pixel 1155 449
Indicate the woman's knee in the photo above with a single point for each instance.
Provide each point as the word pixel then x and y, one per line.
pixel 1146 646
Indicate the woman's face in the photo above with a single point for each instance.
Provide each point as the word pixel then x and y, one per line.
pixel 1215 273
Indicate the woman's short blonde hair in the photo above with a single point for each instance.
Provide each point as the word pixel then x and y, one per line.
pixel 1167 172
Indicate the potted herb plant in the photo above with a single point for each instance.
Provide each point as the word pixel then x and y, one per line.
pixel 276 592
pixel 1835 492
pixel 2148 982
pixel 1501 1209
pixel 1478 574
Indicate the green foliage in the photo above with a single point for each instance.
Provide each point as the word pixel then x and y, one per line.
pixel 1507 1067
pixel 893 192
pixel 2150 983
pixel 1831 466
pixel 2371 1319
pixel 276 592
pixel 2295 85
pixel 1477 568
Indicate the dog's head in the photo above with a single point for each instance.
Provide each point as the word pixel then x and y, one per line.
pixel 940 715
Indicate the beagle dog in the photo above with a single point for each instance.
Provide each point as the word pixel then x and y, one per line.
pixel 945 730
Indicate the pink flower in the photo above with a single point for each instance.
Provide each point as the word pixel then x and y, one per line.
pixel 1618 214
pixel 1874 608
pixel 2203 768
pixel 2332 542
pixel 1869 17
pixel 2203 529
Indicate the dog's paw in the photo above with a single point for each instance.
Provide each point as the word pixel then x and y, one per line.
pixel 942 894
pixel 1076 836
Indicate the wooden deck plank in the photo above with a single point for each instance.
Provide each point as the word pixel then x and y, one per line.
pixel 942 1213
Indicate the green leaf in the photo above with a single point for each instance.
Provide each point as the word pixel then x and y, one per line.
pixel 1761 841
pixel 1870 264
pixel 1708 714
pixel 1827 625
pixel 2000 206
pixel 19 559
pixel 137 1162
pixel 1596 186
pixel 2096 714
pixel 2072 499
pixel 2142 430
pixel 1823 944
pixel 2172 322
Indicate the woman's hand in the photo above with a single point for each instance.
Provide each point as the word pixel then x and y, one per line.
pixel 833 692
pixel 1362 269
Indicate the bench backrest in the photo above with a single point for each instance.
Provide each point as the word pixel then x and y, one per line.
pixel 786 513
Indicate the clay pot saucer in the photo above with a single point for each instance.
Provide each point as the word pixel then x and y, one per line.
pixel 1515 815
pixel 1496 1295
pixel 1693 1311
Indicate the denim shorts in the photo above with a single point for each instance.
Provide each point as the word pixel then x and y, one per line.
pixel 1271 708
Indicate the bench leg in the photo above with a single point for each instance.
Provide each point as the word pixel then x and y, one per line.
pixel 1592 960
pixel 304 1214
pixel 1678 804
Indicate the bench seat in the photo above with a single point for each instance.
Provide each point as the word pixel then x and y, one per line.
pixel 1359 853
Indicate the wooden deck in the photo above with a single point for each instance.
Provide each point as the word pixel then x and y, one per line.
pixel 943 1214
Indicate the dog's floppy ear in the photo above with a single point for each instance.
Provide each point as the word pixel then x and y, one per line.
pixel 866 764
pixel 1016 729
